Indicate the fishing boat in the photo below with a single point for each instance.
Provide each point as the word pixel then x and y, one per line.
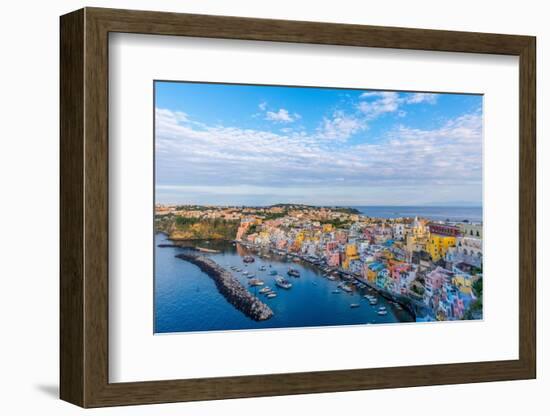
pixel 255 282
pixel 265 290
pixel 282 282
pixel 354 305
pixel 271 295
pixel 293 272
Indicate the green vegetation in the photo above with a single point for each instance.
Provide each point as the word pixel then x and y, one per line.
pixel 418 288
pixel 345 210
pixel 274 215
pixel 181 222
pixel 475 311
pixel 478 287
pixel 336 223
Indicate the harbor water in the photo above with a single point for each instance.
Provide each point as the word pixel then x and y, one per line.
pixel 187 300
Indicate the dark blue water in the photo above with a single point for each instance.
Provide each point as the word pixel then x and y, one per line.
pixel 455 214
pixel 186 299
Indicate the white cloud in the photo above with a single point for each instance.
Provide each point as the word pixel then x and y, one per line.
pixel 262 106
pixel 421 97
pixel 442 161
pixel 385 102
pixel 281 116
pixel 339 127
pixel 389 102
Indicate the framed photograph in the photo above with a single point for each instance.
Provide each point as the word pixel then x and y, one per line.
pixel 254 207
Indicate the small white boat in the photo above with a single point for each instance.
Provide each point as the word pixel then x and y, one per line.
pixel 354 305
pixel 346 288
pixel 265 289
pixel 271 295
pixel 282 282
pixel 382 312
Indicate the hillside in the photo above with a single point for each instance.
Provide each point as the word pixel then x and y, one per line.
pixel 180 228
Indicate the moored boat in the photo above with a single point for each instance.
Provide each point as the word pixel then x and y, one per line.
pixel 282 282
pixel 346 288
pixel 255 282
pixel 354 305
pixel 293 272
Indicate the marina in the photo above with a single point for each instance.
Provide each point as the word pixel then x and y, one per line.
pixel 187 300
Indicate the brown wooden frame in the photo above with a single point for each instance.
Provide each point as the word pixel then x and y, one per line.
pixel 84 207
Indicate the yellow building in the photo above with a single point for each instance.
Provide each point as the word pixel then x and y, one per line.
pixel 371 275
pixel 463 283
pixel 439 244
pixel 327 228
pixel 345 264
pixel 351 252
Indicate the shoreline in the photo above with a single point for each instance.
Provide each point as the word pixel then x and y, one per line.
pixel 408 304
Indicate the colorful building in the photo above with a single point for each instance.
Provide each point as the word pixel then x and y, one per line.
pixel 441 238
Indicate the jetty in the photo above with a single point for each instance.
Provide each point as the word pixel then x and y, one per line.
pixel 233 291
pixel 207 250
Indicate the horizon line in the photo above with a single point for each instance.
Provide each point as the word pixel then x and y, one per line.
pixel 321 205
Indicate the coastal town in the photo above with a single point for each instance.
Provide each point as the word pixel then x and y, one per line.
pixel 435 268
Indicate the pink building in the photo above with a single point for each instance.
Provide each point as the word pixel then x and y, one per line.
pixel 341 237
pixel 281 244
pixel 458 307
pixel 436 278
pixel 331 246
pixel 333 259
pixel 399 270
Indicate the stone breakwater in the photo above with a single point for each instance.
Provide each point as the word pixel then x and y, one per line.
pixel 230 288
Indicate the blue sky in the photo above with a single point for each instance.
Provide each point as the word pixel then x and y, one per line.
pixel 258 145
